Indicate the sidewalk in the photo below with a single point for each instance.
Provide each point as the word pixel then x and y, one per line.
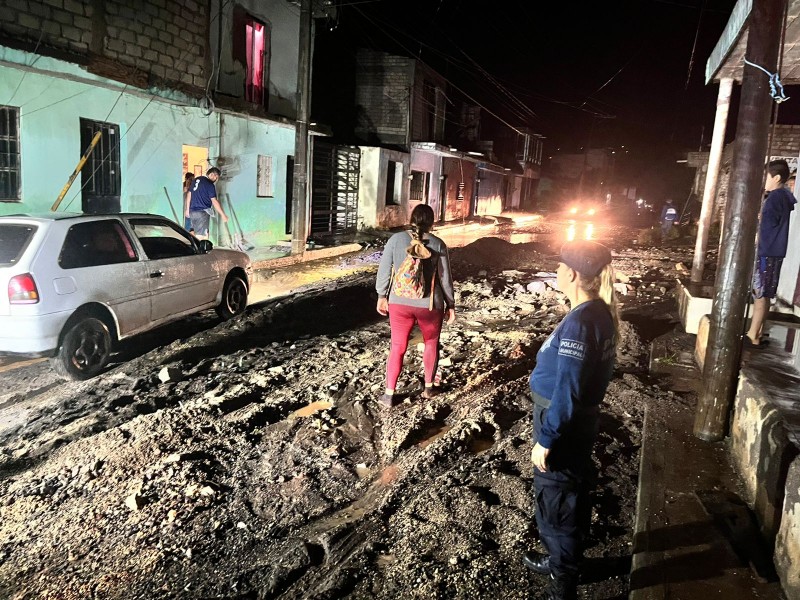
pixel 694 537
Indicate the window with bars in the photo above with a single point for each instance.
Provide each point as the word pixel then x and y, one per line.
pixel 264 177
pixel 100 176
pixel 419 186
pixel 9 154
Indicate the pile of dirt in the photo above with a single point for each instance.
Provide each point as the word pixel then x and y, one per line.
pixel 251 459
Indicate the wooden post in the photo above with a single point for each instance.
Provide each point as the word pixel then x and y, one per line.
pixel 733 283
pixel 300 181
pixel 712 177
pixel 77 170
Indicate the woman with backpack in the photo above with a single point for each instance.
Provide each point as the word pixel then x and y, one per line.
pixel 414 285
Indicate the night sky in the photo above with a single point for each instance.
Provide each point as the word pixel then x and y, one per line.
pixel 601 74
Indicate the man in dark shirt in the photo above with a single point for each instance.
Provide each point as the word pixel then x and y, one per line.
pixel 773 238
pixel 201 202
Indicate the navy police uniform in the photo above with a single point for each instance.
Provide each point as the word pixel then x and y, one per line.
pixel 573 369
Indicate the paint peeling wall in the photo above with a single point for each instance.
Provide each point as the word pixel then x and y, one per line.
pixel 54 98
pixel 787 544
pixel 373 210
pixel 457 171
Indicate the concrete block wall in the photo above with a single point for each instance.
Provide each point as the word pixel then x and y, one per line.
pixel 768 463
pixel 787 544
pixel 383 89
pixel 165 38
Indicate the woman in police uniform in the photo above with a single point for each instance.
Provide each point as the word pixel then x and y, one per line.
pixel 573 368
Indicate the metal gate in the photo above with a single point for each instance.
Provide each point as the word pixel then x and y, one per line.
pixel 334 189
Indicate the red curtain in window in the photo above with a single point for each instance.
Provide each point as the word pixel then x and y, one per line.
pixel 254 40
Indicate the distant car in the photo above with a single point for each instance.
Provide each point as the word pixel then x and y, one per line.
pixel 580 211
pixel 76 284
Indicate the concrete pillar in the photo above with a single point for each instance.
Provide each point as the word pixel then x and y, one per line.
pixel 712 177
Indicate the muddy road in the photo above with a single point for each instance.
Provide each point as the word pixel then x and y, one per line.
pixel 250 459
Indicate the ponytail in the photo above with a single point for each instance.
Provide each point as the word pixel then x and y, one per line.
pixel 602 286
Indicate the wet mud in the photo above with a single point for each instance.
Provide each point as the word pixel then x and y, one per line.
pixel 258 464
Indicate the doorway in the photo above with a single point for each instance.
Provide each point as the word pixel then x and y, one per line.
pixel 195 160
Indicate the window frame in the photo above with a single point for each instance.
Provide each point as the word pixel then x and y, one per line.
pixel 118 228
pixel 257 94
pixel 12 113
pixel 106 159
pixel 181 234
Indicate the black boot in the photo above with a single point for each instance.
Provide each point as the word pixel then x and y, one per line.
pixel 537 562
pixel 560 587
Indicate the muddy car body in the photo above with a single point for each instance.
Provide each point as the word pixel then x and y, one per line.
pixel 78 283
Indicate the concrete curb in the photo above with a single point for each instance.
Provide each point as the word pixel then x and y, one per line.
pixel 308 255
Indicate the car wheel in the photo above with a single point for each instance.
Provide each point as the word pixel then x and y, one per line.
pixel 85 350
pixel 234 298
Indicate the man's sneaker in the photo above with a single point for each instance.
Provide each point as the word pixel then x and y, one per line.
pixel 537 562
pixel 560 587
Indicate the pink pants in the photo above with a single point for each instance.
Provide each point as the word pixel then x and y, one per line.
pixel 401 320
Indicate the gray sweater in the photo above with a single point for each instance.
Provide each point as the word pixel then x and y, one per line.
pixel 395 252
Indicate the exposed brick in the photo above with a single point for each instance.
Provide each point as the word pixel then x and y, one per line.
pixel 39 10
pixel 112 31
pixel 173 75
pixel 71 33
pixel 88 10
pixel 181 44
pixel 158 71
pixel 7 15
pixel 143 41
pixel 151 32
pixel 186 78
pixel 150 56
pixel 136 27
pixel 73 7
pixel 29 21
pixel 52 28
pixel 126 59
pixel 19 5
pixel 127 36
pixel 158 46
pixel 142 64
pixel 62 17
pixel 115 44
pixel 55 3
pixel 165 37
pixel 86 37
pixel 191 6
pixel 159 3
pixel 82 22
pixel 173 29
pixel 199 80
pixel 79 46
pixel 167 61
pixel 152 9
pixel 173 52
pixel 127 13
pixel 112 8
pixel 186 35
pixel 110 53
pixel 133 50
pixel 144 19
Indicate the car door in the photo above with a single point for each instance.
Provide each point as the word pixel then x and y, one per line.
pixel 181 279
pixel 99 263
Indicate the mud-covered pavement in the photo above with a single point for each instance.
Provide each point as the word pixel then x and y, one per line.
pixel 250 459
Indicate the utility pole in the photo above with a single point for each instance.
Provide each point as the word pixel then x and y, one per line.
pixel 300 180
pixel 737 254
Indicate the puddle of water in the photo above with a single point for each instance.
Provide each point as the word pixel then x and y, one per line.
pixel 480 444
pixel 431 435
pixel 311 409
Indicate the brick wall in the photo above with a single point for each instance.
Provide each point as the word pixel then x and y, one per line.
pixel 163 38
pixel 785 142
pixel 383 87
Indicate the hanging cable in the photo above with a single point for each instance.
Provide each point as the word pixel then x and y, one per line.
pixel 775 85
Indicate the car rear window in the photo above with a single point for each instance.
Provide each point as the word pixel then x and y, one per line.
pixel 96 243
pixel 13 241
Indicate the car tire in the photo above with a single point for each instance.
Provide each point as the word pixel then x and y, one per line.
pixel 85 350
pixel 234 297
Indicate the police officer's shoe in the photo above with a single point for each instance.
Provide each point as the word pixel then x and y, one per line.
pixel 537 562
pixel 560 587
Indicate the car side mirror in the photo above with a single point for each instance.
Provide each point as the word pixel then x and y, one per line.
pixel 205 246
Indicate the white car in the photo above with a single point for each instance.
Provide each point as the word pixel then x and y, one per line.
pixel 78 283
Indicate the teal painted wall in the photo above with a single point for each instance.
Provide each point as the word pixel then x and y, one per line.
pixel 53 98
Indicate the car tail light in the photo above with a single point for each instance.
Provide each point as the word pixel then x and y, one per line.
pixel 22 290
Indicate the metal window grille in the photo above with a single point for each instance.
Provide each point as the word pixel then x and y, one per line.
pixel 10 164
pixel 419 186
pixel 100 176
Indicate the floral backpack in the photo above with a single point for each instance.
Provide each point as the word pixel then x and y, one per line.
pixel 409 278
